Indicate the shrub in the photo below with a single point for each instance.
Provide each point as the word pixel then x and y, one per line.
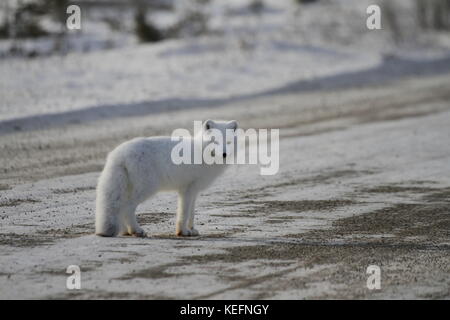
pixel 433 14
pixel 145 31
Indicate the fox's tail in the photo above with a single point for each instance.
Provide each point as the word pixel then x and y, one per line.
pixel 111 194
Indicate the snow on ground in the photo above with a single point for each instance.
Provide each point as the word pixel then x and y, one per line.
pixel 197 69
pixel 255 237
pixel 251 54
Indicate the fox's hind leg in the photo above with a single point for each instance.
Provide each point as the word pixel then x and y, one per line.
pixel 129 225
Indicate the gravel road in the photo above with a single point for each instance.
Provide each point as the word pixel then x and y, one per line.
pixel 364 180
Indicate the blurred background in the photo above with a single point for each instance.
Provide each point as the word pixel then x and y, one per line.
pixel 147 50
pixel 38 27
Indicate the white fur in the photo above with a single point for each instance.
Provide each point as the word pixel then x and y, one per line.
pixel 141 167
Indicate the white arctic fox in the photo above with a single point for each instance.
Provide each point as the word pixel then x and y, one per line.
pixel 139 168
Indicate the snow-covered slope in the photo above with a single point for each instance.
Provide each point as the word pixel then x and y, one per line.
pixel 246 53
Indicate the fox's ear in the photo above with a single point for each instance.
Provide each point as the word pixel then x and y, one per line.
pixel 233 125
pixel 208 124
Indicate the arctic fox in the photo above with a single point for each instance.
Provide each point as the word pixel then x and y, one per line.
pixel 141 167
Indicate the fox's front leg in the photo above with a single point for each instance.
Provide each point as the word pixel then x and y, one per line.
pixel 194 231
pixel 185 212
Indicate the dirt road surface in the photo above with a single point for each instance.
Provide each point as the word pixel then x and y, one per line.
pixel 364 180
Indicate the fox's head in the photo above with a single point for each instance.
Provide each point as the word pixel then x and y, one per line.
pixel 220 136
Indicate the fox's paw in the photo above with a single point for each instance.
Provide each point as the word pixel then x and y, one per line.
pixel 194 232
pixel 187 233
pixel 140 233
pixel 183 233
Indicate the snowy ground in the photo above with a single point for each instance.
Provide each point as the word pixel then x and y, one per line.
pixel 369 186
pixel 364 163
